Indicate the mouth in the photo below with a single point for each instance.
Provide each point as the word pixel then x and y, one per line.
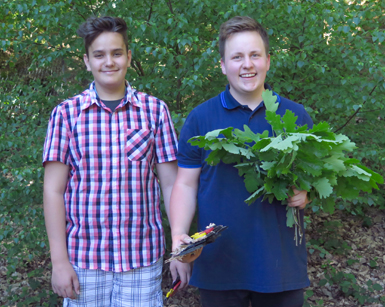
pixel 248 75
pixel 109 71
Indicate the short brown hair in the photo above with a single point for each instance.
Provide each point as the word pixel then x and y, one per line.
pixel 94 26
pixel 241 24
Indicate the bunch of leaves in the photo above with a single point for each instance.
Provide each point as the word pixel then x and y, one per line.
pixel 314 160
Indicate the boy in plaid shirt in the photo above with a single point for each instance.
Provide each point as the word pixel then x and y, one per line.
pixel 101 192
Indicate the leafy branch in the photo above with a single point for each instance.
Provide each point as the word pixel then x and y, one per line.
pixel 308 159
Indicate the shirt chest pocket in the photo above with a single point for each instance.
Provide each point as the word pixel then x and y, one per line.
pixel 139 143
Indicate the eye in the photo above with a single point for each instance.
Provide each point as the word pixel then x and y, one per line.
pixel 236 57
pixel 118 54
pixel 98 56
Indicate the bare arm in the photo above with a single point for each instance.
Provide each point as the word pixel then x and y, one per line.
pixel 167 174
pixel 176 267
pixel 64 277
pixel 183 203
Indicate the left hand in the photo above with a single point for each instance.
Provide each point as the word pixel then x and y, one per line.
pixel 299 199
pixel 181 269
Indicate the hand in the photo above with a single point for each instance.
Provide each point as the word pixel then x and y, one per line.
pixel 181 269
pixel 65 281
pixel 299 199
pixel 185 239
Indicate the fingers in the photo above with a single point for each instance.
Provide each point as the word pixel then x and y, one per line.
pixel 173 270
pixel 183 270
pixel 180 239
pixel 65 281
pixel 185 238
pixel 69 293
pixel 299 199
pixel 76 285
pixel 185 277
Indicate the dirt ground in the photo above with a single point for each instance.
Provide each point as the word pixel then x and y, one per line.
pixel 355 249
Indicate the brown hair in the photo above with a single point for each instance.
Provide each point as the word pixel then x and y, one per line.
pixel 241 24
pixel 94 26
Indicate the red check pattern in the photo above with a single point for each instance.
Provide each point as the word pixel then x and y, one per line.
pixel 112 197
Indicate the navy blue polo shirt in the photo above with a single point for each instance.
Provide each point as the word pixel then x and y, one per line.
pixel 257 252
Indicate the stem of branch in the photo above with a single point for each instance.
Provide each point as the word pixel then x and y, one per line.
pixel 355 113
pixel 149 15
pixel 170 6
pixel 138 66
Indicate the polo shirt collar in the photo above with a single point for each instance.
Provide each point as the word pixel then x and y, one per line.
pixel 129 97
pixel 230 103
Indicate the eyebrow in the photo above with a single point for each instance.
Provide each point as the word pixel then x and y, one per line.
pixel 240 52
pixel 101 51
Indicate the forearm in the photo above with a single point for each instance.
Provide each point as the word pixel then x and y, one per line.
pixel 55 222
pixel 167 173
pixel 182 208
pixel 55 182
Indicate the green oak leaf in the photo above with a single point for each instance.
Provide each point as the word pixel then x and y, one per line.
pixel 246 136
pixel 280 190
pixel 275 121
pixel 323 187
pixel 333 163
pixel 269 100
pixel 289 120
pixel 289 217
pixel 268 165
pixel 253 197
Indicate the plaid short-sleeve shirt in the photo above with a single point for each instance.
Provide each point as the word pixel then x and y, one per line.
pixel 112 195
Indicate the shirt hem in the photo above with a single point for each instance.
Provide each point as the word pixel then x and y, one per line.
pixel 96 267
pixel 189 166
pixel 250 287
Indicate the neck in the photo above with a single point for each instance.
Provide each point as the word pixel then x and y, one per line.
pixel 111 93
pixel 252 100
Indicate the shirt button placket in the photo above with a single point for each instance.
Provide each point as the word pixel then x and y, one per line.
pixel 114 187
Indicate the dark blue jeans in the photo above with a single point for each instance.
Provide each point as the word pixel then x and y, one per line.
pixel 243 298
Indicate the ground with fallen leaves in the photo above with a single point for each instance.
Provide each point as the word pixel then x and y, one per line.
pixel 354 249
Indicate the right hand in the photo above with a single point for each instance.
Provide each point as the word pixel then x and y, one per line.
pixel 65 281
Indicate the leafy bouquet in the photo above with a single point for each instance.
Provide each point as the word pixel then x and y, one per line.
pixel 314 160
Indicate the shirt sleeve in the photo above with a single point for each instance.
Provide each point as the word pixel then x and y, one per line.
pixel 306 119
pixel 166 142
pixel 189 156
pixel 56 140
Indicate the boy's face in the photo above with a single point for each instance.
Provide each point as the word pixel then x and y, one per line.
pixel 245 64
pixel 108 61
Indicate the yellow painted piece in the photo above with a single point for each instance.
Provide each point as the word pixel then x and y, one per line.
pixel 198 235
pixel 169 293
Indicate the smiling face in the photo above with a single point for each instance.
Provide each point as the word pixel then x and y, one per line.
pixel 108 61
pixel 245 64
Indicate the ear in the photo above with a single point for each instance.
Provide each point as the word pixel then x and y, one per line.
pixel 129 58
pixel 223 66
pixel 268 62
pixel 85 59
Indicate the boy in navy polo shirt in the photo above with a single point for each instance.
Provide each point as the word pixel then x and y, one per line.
pixel 256 260
pixel 101 192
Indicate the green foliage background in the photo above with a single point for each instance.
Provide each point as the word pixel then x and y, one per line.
pixel 327 55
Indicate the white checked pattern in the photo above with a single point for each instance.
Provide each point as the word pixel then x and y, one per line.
pixel 136 288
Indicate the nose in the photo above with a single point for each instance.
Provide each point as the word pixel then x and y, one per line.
pixel 109 61
pixel 247 62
